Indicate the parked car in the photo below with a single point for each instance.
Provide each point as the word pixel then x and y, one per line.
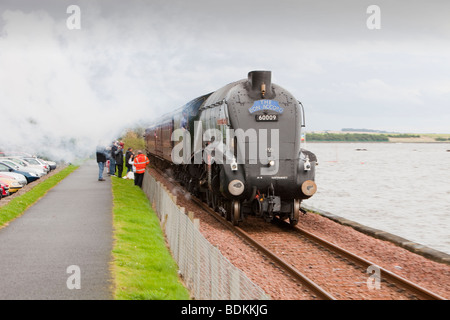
pixel 14 154
pixel 27 164
pixel 17 176
pixel 43 162
pixel 14 165
pixel 37 162
pixel 52 164
pixel 4 192
pixel 11 183
pixel 29 176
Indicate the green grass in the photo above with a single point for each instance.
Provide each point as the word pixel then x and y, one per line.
pixel 18 205
pixel 143 267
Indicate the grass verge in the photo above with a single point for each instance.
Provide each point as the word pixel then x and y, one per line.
pixel 18 205
pixel 143 267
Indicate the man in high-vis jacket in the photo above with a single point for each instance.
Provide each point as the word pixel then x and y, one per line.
pixel 140 163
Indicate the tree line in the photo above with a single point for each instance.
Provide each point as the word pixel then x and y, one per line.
pixel 350 137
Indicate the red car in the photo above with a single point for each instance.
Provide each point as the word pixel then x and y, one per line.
pixel 4 190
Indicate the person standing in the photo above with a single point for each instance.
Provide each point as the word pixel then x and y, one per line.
pixel 119 159
pixel 101 160
pixel 112 161
pixel 129 155
pixel 140 163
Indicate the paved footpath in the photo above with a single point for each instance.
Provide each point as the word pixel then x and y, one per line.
pixel 62 241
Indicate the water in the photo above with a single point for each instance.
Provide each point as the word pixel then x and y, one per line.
pixel 402 189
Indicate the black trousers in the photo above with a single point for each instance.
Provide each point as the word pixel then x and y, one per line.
pixel 138 178
pixel 119 170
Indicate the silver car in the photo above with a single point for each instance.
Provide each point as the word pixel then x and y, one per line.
pixel 26 164
pixel 19 177
pixel 37 162
pixel 16 166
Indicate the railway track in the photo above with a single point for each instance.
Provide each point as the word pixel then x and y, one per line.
pixel 393 285
pixel 390 277
pixel 391 281
pixel 297 275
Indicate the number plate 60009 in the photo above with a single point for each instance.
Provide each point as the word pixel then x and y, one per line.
pixel 266 117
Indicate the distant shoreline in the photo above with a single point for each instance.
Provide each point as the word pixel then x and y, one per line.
pixel 396 141
pixel 334 136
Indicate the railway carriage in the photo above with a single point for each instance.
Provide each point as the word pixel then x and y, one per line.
pixel 239 149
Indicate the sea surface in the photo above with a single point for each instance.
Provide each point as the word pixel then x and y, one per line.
pixel 400 188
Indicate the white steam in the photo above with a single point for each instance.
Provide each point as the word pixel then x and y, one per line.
pixel 62 91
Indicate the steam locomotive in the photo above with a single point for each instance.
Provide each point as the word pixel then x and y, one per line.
pixel 239 149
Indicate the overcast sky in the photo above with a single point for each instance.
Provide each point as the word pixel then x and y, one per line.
pixel 131 61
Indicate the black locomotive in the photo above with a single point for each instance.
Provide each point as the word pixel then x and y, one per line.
pixel 239 149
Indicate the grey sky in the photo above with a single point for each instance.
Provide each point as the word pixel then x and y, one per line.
pixel 134 60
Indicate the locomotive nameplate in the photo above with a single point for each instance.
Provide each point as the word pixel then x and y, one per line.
pixel 269 105
pixel 266 117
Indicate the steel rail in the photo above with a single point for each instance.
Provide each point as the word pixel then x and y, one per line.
pixel 320 292
pixel 419 291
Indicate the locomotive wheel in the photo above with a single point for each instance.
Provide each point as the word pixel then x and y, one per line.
pixel 210 198
pixel 214 202
pixel 295 214
pixel 228 211
pixel 257 208
pixel 235 212
pixel 191 187
pixel 204 196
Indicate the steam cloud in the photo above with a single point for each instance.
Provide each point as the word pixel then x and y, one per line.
pixel 64 91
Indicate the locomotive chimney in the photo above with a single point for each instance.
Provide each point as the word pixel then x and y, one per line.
pixel 260 84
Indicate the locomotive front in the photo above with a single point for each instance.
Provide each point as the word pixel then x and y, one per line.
pixel 269 173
